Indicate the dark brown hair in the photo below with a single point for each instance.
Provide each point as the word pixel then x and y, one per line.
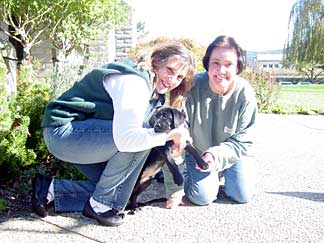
pixel 225 42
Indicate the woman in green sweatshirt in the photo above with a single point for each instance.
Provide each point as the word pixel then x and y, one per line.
pixel 221 108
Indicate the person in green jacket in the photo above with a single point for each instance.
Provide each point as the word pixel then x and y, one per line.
pixel 100 125
pixel 221 109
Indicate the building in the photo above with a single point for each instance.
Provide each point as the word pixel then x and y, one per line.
pixel 268 62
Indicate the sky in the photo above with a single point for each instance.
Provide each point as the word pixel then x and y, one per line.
pixel 257 25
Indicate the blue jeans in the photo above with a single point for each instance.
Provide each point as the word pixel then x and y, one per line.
pixel 201 188
pixel 90 147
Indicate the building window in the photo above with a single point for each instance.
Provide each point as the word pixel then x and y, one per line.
pixel 264 65
pixel 270 66
pixel 276 65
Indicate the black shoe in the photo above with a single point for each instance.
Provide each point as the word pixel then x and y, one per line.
pixel 110 218
pixel 40 185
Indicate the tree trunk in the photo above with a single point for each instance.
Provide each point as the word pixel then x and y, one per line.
pixel 10 59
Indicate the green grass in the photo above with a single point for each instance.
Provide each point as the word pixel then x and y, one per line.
pixel 302 97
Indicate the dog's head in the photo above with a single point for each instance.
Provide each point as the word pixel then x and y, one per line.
pixel 166 118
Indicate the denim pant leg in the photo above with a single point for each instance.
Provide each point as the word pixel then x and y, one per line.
pixel 201 188
pixel 240 181
pixel 90 142
pixel 118 178
pixel 82 142
pixel 71 196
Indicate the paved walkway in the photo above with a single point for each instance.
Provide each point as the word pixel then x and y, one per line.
pixel 289 206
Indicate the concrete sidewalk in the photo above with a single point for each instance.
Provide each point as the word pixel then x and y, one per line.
pixel 289 206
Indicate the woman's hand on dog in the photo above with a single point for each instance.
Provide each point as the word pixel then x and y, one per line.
pixel 179 136
pixel 176 151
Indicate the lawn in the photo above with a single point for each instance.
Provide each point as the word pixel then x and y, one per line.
pixel 309 97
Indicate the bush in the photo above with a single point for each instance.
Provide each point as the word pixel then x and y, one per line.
pixel 21 141
pixel 142 49
pixel 3 205
pixel 264 87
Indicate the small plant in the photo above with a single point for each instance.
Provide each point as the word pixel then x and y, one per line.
pixel 304 111
pixel 264 87
pixel 3 205
pixel 279 109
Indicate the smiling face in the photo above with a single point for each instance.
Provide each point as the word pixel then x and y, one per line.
pixel 222 69
pixel 170 74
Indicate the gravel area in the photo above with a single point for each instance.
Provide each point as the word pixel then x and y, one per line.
pixel 289 206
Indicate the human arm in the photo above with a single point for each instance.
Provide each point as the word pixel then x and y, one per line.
pixel 131 94
pixel 238 144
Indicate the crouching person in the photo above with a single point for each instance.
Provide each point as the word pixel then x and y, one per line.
pixel 100 126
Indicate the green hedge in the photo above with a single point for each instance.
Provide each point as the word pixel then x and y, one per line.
pixel 21 141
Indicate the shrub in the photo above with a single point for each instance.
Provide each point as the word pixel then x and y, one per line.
pixel 21 141
pixel 264 87
pixel 279 109
pixel 3 205
pixel 142 49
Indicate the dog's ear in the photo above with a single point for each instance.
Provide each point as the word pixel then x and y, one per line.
pixel 152 118
pixel 179 117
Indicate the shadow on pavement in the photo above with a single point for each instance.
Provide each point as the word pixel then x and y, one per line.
pixel 312 196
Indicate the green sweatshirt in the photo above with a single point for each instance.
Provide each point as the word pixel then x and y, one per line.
pixel 88 98
pixel 222 125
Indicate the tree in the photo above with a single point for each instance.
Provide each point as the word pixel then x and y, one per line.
pixel 67 23
pixel 82 21
pixel 304 48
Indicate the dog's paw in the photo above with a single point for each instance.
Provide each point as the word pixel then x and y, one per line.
pixel 132 209
pixel 178 179
pixel 203 165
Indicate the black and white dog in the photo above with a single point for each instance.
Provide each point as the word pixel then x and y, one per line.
pixel 163 120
